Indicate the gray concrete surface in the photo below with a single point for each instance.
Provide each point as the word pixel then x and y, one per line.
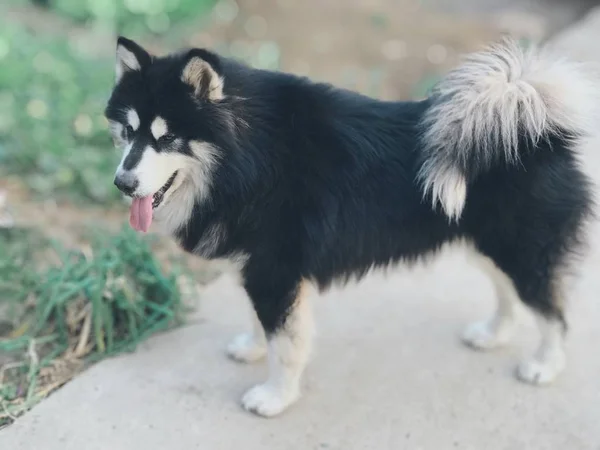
pixel 388 373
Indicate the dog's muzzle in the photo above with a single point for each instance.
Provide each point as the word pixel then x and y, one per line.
pixel 126 182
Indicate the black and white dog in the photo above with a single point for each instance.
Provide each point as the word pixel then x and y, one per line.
pixel 301 182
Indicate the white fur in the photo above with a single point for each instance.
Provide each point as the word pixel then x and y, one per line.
pixel 126 61
pixel 210 240
pixel 249 347
pixel 451 189
pixel 497 330
pixel 549 359
pixel 246 348
pixel 238 260
pixel 192 182
pixel 484 105
pixel 153 170
pixel 194 73
pixel 116 131
pixel 133 119
pixel 126 149
pixel 191 185
pixel 288 353
pixel 159 127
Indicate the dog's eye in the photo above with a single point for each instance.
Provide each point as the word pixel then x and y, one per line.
pixel 167 138
pixel 129 132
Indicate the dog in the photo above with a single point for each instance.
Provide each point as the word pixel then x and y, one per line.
pixel 303 184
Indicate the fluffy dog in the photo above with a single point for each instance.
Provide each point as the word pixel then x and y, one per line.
pixel 301 182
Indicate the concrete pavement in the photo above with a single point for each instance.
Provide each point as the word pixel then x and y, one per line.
pixel 389 372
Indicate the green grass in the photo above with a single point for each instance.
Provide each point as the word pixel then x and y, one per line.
pixel 52 129
pixel 74 309
pixel 52 95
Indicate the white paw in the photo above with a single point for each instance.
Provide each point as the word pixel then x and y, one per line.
pixel 540 372
pixel 486 335
pixel 268 401
pixel 245 348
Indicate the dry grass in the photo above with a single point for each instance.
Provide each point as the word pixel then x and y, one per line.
pixel 68 308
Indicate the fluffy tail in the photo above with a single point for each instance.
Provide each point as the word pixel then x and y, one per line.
pixel 483 109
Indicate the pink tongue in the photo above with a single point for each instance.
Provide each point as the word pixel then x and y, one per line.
pixel 140 216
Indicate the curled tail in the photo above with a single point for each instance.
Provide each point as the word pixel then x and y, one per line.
pixel 497 99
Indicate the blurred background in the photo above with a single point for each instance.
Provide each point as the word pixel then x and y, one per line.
pixel 75 284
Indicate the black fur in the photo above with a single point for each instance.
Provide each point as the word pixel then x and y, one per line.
pixel 319 183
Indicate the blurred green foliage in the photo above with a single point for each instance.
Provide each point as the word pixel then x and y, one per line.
pixel 52 129
pixel 132 17
pixel 53 93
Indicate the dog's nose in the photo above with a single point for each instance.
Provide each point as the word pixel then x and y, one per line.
pixel 126 182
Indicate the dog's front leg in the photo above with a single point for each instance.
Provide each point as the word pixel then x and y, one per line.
pixel 284 311
pixel 249 347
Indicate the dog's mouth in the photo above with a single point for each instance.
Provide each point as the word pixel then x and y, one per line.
pixel 141 211
pixel 159 195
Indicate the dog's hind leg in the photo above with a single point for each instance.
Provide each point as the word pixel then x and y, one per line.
pixel 249 347
pixel 541 290
pixel 549 359
pixel 498 329
pixel 285 313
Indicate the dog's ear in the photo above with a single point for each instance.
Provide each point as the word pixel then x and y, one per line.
pixel 201 73
pixel 130 57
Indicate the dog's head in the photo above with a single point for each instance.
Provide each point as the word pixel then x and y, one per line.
pixel 164 113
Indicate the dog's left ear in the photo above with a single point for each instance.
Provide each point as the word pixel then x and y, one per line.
pixel 201 72
pixel 130 57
